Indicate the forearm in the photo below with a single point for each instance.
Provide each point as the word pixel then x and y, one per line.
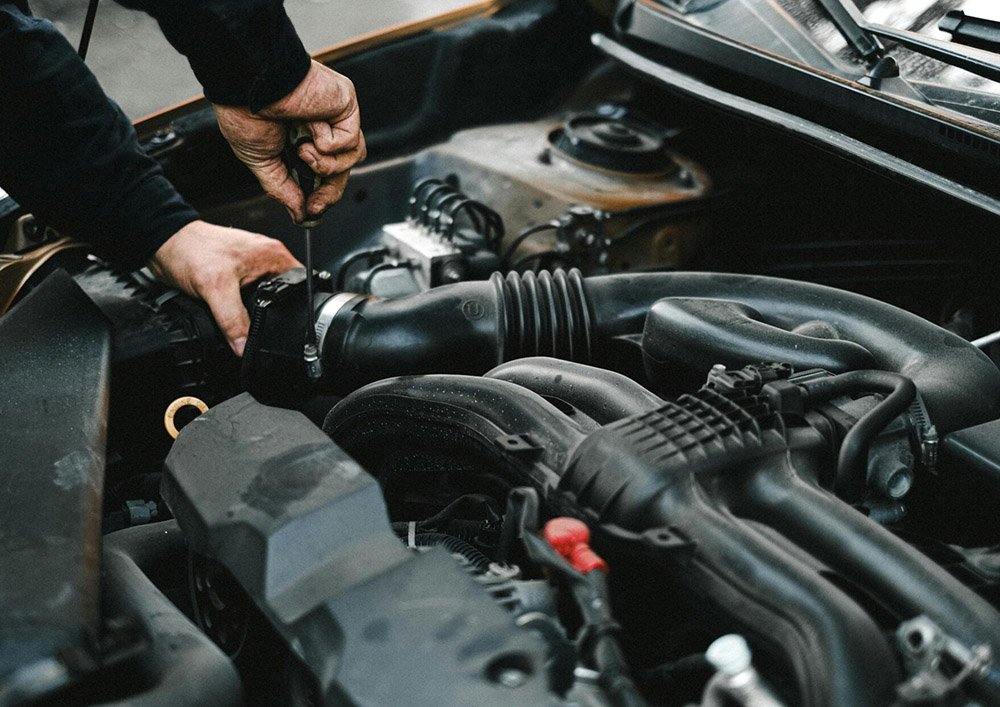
pixel 69 155
pixel 244 52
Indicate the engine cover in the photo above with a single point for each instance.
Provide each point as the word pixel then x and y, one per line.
pixel 304 531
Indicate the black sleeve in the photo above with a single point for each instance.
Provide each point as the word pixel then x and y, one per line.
pixel 69 154
pixel 244 52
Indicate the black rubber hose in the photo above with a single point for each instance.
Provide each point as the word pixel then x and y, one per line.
pixel 602 395
pixel 182 665
pixel 682 336
pixel 605 649
pixel 472 327
pixel 958 382
pixel 469 327
pixel 852 462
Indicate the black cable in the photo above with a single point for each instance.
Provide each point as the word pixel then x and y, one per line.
pixel 541 255
pixel 464 504
pixel 418 188
pixel 494 224
pixel 484 218
pixel 371 254
pixel 525 235
pixel 370 277
pixel 88 28
pixel 609 660
pixel 474 218
pixel 852 461
pixel 441 213
pixel 425 208
pixel 598 638
pixel 669 675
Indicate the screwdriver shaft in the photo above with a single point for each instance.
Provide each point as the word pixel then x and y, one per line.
pixel 311 312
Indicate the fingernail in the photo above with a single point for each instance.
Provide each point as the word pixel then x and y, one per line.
pixel 238 345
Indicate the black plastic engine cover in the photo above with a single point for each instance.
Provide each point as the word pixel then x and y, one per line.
pixel 55 352
pixel 305 532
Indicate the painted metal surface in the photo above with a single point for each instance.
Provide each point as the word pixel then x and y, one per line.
pixel 143 73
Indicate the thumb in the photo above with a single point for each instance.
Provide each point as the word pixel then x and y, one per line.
pixel 229 312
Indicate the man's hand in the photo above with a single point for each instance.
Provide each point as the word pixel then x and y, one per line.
pixel 212 263
pixel 326 102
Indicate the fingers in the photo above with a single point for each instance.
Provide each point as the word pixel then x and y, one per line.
pixel 336 147
pixel 341 133
pixel 278 184
pixel 327 103
pixel 323 138
pixel 257 258
pixel 328 194
pixel 329 165
pixel 222 295
pixel 334 168
pixel 212 263
pixel 258 143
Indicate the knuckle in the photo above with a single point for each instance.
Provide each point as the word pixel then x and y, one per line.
pixel 276 249
pixel 208 281
pixel 327 168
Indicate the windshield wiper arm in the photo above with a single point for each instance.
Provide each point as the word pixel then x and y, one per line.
pixel 976 61
pixel 863 35
pixel 851 24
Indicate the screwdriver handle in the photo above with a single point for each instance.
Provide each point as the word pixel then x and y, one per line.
pixel 301 172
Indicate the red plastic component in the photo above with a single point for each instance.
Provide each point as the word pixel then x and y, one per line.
pixel 570 537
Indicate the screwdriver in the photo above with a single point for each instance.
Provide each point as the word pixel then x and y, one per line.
pixel 308 181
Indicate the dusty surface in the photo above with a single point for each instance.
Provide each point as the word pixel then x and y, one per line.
pixel 141 71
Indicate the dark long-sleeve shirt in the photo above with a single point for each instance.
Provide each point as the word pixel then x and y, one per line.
pixel 69 154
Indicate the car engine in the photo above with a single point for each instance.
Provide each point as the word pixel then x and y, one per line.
pixel 605 417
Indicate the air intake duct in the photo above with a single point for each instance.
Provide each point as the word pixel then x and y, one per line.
pixel 673 325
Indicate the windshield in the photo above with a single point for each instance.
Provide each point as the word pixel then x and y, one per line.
pixel 143 73
pixel 788 22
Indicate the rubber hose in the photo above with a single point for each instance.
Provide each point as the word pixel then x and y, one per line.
pixel 602 395
pixel 852 462
pixel 564 316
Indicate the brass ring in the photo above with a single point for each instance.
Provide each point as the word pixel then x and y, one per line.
pixel 177 405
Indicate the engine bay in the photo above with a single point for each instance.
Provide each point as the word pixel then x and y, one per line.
pixel 623 401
